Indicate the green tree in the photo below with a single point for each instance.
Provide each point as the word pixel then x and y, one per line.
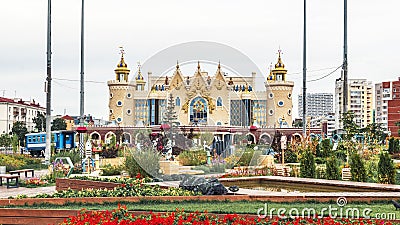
pixel 374 132
pixel 40 122
pixel 170 115
pixel 58 124
pixel 332 169
pixel 5 140
pixel 324 149
pixel 394 146
pixel 358 171
pixel 15 143
pixel 349 125
pixel 386 169
pixel 20 130
pixel 307 165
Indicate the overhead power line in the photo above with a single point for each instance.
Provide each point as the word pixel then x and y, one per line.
pixel 87 81
pixel 325 76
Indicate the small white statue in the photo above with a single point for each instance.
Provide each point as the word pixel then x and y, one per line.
pixel 168 149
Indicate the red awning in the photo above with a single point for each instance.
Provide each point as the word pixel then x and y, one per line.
pixel 81 129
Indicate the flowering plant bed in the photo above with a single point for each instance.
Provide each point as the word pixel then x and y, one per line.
pixel 133 187
pixel 123 216
pixel 34 182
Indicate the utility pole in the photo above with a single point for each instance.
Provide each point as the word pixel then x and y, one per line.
pixel 47 153
pixel 304 73
pixel 344 67
pixel 82 96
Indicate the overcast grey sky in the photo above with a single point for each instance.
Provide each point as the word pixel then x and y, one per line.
pixel 256 28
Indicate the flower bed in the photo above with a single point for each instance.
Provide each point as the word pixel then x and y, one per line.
pixel 122 216
pixel 85 182
pixel 130 188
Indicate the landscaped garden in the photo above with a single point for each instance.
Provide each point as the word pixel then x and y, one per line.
pixel 366 154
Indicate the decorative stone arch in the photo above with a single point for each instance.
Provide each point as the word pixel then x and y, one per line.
pixel 95 136
pixel 126 138
pixel 296 137
pixel 108 136
pixel 251 138
pixel 265 138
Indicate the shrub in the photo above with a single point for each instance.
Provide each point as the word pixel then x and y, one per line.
pixel 307 165
pixel 248 154
pixel 144 162
pixel 386 169
pixel 371 167
pixel 394 146
pixel 111 152
pixel 73 155
pixel 319 160
pixel 290 157
pixel 214 168
pixel 332 169
pixel 109 170
pixel 193 158
pixel 17 161
pixel 324 149
pixel 320 171
pixel 358 172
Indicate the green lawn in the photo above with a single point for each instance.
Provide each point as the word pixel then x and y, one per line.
pixel 380 209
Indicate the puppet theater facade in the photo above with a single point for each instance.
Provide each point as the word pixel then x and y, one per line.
pixel 223 105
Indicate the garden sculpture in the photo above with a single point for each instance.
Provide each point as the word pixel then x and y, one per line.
pixel 168 150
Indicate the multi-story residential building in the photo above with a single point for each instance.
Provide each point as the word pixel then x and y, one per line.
pixel 360 101
pixel 325 122
pixel 201 99
pixel 317 104
pixel 387 103
pixel 13 110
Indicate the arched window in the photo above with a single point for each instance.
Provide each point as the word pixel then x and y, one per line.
pixel 177 101
pixel 198 111
pixel 219 101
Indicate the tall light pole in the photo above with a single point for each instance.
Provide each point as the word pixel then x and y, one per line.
pixel 304 72
pixel 47 153
pixel 82 96
pixel 344 66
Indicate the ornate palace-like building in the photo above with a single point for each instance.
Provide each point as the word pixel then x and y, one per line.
pixel 201 99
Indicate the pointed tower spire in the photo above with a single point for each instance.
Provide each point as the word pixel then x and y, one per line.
pixel 279 63
pixel 122 71
pixel 122 62
pixel 139 76
pixel 198 65
pixel 219 64
pixel 177 64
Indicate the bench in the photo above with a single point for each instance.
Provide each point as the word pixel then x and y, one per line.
pixel 9 177
pixel 26 171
